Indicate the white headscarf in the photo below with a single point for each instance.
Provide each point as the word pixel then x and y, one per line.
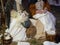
pixel 39 5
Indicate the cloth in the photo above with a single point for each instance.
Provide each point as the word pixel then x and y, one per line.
pixel 50 43
pixel 17 31
pixel 47 19
pixel 39 5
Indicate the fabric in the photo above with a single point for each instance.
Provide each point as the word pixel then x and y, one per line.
pixel 47 19
pixel 50 43
pixel 39 5
pixel 17 31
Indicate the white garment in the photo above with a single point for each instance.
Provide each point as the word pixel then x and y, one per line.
pixel 39 5
pixel 16 30
pixel 47 19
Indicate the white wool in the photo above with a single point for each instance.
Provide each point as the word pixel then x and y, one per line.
pixel 46 43
pixel 23 43
pixel 49 43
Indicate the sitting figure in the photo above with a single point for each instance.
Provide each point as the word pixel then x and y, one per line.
pixel 47 19
pixel 16 29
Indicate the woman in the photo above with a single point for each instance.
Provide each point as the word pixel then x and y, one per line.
pixel 16 30
pixel 46 18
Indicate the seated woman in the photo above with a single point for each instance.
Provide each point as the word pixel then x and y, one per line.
pixel 46 18
pixel 16 29
pixel 33 6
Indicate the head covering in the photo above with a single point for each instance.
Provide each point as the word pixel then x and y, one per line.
pixel 39 5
